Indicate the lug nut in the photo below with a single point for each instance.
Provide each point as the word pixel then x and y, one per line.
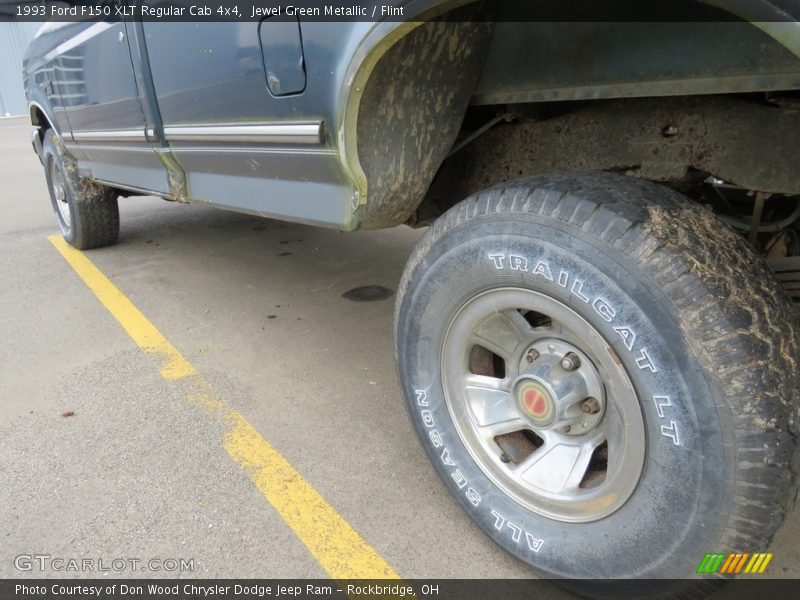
pixel 571 361
pixel 590 406
pixel 532 355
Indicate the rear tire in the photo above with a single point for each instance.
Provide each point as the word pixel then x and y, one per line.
pixel 87 212
pixel 648 290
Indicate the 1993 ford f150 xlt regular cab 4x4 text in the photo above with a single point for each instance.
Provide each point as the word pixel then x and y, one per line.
pixel 595 337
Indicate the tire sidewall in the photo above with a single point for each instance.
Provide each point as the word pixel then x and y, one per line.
pixel 51 154
pixel 679 502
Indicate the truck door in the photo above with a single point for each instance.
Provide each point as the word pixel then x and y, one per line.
pixel 101 99
pixel 244 119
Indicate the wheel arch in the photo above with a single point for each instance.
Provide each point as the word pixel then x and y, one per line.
pixel 392 163
pixel 392 104
pixel 40 119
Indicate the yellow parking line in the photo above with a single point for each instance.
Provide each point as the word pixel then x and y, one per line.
pixel 339 549
pixel 143 332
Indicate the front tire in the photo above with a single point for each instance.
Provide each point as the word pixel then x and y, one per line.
pixel 603 374
pixel 86 211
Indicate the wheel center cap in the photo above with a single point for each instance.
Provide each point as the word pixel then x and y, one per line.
pixel 536 402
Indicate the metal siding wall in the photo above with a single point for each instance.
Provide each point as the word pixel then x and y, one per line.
pixel 14 38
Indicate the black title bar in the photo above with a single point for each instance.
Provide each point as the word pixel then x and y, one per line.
pixel 402 10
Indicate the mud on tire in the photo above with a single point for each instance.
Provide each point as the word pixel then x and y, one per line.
pixel 694 318
pixel 87 212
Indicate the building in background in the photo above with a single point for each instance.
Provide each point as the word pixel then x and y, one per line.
pixel 14 38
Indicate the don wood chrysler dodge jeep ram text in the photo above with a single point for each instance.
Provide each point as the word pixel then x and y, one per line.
pixel 595 337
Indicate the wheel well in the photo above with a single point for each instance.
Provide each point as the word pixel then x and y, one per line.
pixel 40 120
pixel 414 105
pixel 743 140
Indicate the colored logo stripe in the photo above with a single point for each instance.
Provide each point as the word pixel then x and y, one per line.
pixel 711 563
pixel 758 563
pixel 732 563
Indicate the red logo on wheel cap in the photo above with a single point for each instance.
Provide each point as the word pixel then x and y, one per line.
pixel 535 401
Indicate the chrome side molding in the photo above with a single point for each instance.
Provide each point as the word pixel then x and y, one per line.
pixel 116 135
pixel 305 132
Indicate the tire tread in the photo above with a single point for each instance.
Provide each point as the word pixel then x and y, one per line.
pixel 733 314
pixel 96 218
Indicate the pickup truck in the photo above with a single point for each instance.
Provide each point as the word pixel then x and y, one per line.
pixel 595 345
